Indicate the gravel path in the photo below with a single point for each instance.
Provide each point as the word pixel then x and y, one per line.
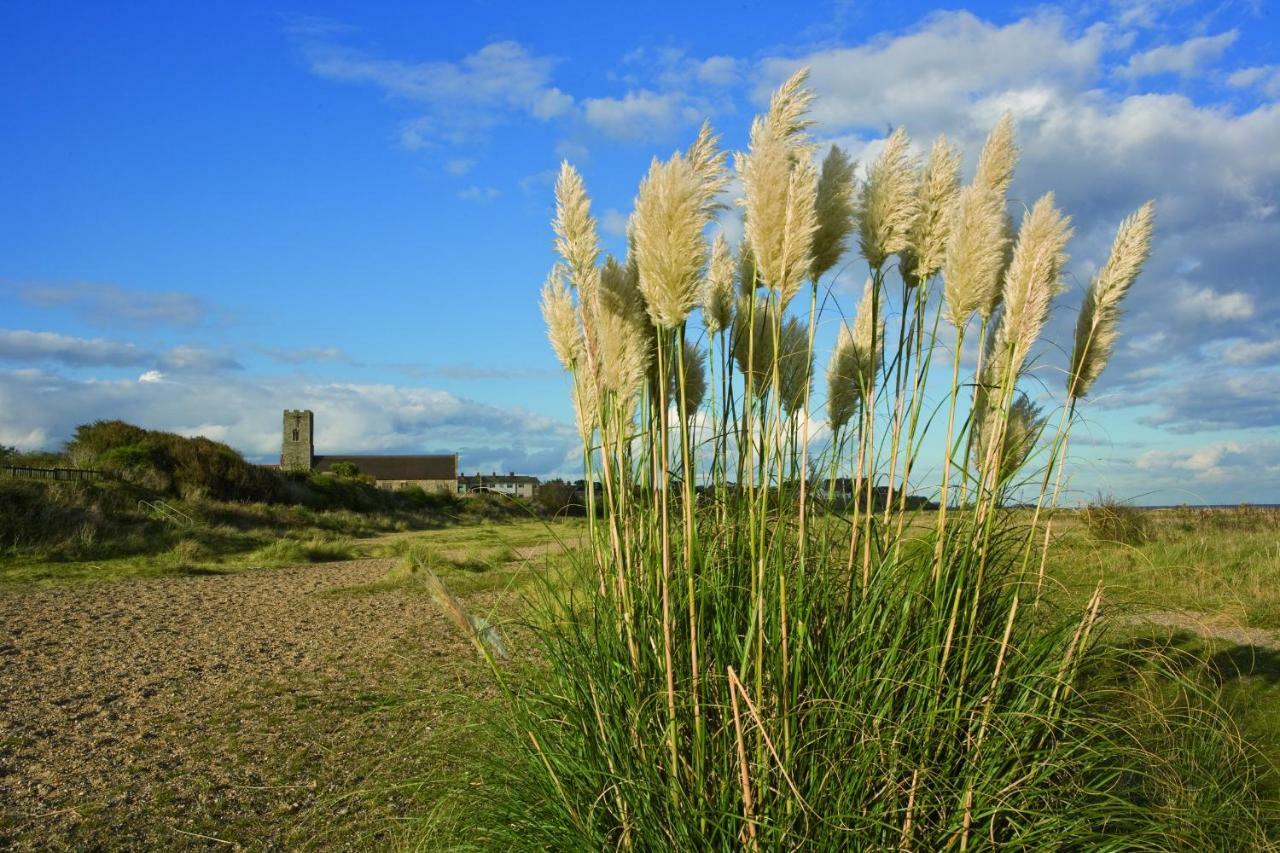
pixel 190 711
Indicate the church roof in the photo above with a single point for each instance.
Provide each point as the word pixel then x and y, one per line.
pixel 429 467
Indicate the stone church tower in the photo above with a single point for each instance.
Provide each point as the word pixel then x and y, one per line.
pixel 298 448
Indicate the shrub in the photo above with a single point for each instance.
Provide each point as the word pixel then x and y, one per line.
pixel 1109 520
pixel 174 465
pixel 345 469
pixel 556 498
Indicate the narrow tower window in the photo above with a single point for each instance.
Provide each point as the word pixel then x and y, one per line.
pixel 295 435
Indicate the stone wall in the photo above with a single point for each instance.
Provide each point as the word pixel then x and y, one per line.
pixel 450 486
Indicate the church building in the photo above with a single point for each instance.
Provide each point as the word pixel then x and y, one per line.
pixel 432 472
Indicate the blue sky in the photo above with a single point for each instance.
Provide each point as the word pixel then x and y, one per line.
pixel 215 212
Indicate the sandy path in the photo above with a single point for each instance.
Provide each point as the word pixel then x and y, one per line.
pixel 169 707
pixel 1206 626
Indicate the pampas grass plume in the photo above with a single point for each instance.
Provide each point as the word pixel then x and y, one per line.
pixel 1030 283
pixel 575 227
pixel 999 157
pixel 717 289
pixel 561 319
pixel 974 256
pixel 887 205
pixel 939 187
pixel 781 189
pixel 835 200
pixel 842 384
pixel 669 247
pixel 795 368
pixel 1096 325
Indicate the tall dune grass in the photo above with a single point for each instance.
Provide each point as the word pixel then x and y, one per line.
pixel 743 666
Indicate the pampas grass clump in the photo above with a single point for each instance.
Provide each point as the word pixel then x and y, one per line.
pixel 765 648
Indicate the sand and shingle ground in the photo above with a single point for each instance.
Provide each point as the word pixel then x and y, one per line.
pixel 196 709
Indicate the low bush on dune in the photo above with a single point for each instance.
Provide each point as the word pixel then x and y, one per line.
pixel 171 464
pixel 744 672
pixel 1109 520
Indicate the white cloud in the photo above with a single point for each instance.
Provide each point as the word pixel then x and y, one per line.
pixel 614 222
pixel 1211 168
pixel 22 345
pixel 1265 78
pixel 641 113
pixel 1207 303
pixel 302 355
pixel 1185 58
pixel 480 194
pixel 29 346
pixel 460 165
pixel 111 305
pixel 1255 461
pixel 1243 353
pixel 939 73
pixel 463 98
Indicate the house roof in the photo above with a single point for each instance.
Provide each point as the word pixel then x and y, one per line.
pixel 433 467
pixel 494 479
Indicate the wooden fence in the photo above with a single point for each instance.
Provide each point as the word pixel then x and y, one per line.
pixel 55 473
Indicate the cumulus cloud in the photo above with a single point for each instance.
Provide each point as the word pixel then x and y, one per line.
pixel 641 113
pixel 1089 132
pixel 1257 461
pixel 42 408
pixel 1208 304
pixel 1265 78
pixel 1184 58
pixel 109 305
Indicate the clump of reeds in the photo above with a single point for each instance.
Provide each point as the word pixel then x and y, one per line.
pixel 745 666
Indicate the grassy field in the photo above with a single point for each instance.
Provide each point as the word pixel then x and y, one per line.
pixel 355 743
